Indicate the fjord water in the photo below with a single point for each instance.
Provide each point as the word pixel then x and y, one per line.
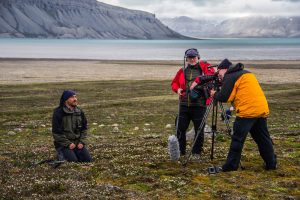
pixel 210 49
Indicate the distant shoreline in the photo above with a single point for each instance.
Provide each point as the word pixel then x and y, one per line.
pixel 267 61
pixel 42 70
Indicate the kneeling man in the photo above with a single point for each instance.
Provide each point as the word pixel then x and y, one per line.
pixel 69 127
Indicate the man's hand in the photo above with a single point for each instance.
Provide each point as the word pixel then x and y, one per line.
pixel 179 91
pixel 193 85
pixel 80 146
pixel 72 146
pixel 212 92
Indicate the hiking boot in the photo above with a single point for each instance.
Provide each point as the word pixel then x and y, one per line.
pixel 214 170
pixel 272 166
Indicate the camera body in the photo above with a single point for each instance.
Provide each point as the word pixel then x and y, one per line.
pixel 206 83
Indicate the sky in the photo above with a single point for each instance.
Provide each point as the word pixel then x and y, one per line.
pixel 212 8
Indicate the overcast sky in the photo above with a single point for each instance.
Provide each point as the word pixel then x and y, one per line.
pixel 208 8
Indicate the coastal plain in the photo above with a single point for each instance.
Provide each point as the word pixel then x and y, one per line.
pixel 20 71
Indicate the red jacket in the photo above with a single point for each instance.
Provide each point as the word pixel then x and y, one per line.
pixel 179 79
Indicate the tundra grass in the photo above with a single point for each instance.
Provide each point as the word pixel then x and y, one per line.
pixel 128 131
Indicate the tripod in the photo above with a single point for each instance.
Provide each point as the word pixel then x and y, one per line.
pixel 214 107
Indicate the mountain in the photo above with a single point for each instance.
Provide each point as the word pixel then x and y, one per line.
pixel 269 27
pixel 78 19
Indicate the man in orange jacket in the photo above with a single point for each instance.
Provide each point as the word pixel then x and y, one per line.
pixel 242 89
pixel 190 108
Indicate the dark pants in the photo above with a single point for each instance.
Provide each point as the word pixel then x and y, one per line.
pixel 74 155
pixel 186 114
pixel 259 132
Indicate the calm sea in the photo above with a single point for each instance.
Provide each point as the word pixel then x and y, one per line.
pixel 210 49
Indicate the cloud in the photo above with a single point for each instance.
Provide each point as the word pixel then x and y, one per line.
pixel 212 8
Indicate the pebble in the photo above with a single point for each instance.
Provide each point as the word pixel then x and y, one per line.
pixel 136 128
pixel 168 126
pixel 207 129
pixel 43 125
pixel 94 123
pixel 18 129
pixel 101 125
pixel 115 125
pixel 112 187
pixel 115 129
pixel 147 124
pixel 11 133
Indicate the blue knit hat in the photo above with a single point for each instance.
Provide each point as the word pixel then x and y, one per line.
pixel 191 53
pixel 65 96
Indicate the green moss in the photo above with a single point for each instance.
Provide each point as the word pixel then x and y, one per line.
pixel 138 186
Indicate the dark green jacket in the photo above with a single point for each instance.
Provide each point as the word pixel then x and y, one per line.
pixel 68 126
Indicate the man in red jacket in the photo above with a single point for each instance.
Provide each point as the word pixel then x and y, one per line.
pixel 190 108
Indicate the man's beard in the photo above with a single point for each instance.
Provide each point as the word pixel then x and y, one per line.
pixel 73 104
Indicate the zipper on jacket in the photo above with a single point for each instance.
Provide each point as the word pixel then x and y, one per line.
pixel 189 85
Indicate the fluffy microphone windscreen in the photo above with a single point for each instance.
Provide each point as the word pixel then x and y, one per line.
pixel 173 146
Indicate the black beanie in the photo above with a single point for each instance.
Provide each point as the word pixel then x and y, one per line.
pixel 65 96
pixel 225 64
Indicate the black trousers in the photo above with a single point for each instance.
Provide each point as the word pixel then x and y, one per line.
pixel 187 114
pixel 74 155
pixel 260 134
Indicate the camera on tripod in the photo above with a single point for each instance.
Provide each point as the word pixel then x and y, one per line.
pixel 204 85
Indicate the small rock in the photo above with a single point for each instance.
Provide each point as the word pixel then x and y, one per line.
pixel 146 129
pixel 43 125
pixel 115 129
pixel 11 133
pixel 148 136
pixel 168 126
pixel 207 129
pixel 147 124
pixel 115 125
pixel 101 125
pixel 112 188
pixel 136 128
pixel 18 129
pixel 94 123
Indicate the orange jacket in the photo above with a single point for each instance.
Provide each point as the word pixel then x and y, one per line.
pixel 242 89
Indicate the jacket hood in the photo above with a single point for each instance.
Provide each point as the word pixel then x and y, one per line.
pixel 235 68
pixel 70 111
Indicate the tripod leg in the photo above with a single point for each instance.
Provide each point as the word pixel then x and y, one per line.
pixel 228 127
pixel 225 118
pixel 213 128
pixel 198 132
